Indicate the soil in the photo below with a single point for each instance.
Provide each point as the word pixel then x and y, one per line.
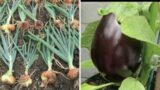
pixel 39 66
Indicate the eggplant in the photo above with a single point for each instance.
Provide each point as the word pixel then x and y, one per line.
pixel 112 51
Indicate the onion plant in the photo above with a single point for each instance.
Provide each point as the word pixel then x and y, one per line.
pixel 52 12
pixel 8 54
pixel 72 9
pixel 38 24
pixel 49 76
pixel 23 24
pixel 7 27
pixel 65 41
pixel 28 52
pixel 61 10
pixel 66 10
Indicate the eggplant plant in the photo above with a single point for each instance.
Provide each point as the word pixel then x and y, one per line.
pixel 124 45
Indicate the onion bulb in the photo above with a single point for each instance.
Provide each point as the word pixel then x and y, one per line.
pixel 1 2
pixel 8 79
pixel 48 77
pixel 72 73
pixel 27 2
pixel 58 23
pixel 25 80
pixel 68 1
pixel 24 25
pixel 8 27
pixel 54 1
pixel 75 24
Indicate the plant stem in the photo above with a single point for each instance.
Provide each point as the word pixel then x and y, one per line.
pixel 9 18
pixel 70 62
pixel 49 65
pixel 86 86
pixel 26 70
pixel 10 63
pixel 105 85
pixel 146 66
pixel 8 73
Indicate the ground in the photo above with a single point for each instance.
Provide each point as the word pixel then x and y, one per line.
pixel 39 66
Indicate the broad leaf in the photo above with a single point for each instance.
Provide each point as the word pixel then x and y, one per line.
pixel 88 34
pixel 145 6
pixel 87 64
pixel 131 84
pixel 121 9
pixel 138 28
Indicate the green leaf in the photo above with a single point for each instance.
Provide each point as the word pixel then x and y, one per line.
pixel 121 9
pixel 51 12
pixel 145 9
pixel 88 34
pixel 87 64
pixel 145 6
pixel 22 15
pixel 86 86
pixel 131 84
pixel 153 10
pixel 137 27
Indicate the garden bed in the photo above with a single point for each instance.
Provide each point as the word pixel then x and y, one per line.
pixel 30 19
pixel 38 67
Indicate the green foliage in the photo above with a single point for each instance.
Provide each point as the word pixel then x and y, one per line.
pixel 131 84
pixel 87 64
pixel 88 34
pixel 121 9
pixel 8 49
pixel 138 28
pixel 28 53
pixel 140 22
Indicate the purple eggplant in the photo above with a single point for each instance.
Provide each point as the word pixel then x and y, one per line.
pixel 112 51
